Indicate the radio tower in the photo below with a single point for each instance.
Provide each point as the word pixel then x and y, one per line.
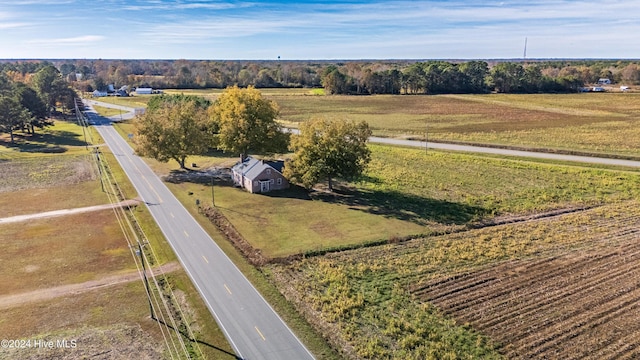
pixel 524 57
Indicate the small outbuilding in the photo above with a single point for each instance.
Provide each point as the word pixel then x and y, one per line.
pixel 144 91
pixel 604 81
pixel 259 176
pixel 97 93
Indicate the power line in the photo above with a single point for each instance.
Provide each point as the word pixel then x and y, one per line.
pixel 133 234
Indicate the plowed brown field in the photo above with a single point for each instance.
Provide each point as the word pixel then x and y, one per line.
pixel 582 305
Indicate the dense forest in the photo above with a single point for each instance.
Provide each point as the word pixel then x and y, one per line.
pixel 358 77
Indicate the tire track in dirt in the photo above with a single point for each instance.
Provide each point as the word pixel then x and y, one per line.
pixel 9 301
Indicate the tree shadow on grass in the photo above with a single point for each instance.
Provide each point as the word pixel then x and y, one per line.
pixel 57 138
pixel 293 192
pixel 402 206
pixel 33 147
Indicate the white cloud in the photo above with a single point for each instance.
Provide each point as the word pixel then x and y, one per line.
pixel 72 41
pixel 12 25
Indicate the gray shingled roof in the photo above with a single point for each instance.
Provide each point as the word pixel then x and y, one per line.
pixel 252 168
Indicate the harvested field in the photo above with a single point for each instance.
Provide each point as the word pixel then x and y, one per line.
pixel 563 286
pixel 45 172
pixel 581 305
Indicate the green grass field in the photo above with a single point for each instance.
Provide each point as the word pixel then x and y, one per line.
pixel 360 298
pixel 407 193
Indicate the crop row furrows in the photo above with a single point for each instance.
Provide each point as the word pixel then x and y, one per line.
pixel 510 286
pixel 618 342
pixel 621 234
pixel 469 286
pixel 544 319
pixel 433 290
pixel 531 308
pixel 583 269
pixel 479 296
pixel 578 325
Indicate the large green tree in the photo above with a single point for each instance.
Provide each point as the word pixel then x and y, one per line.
pixel 47 83
pixel 245 123
pixel 12 114
pixel 30 100
pixel 328 149
pixel 173 129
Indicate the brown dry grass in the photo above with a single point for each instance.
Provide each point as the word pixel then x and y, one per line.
pixel 79 316
pixel 50 252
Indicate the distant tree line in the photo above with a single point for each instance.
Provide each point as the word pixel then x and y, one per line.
pixel 357 77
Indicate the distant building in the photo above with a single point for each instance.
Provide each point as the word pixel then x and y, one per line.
pixel 144 91
pixel 624 88
pixel 604 81
pixel 259 176
pixel 597 89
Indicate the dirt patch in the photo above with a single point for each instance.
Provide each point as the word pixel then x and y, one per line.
pixel 117 342
pixel 58 291
pixel 221 176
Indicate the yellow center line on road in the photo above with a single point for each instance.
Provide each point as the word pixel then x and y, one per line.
pixel 137 168
pixel 228 290
pixel 205 259
pixel 172 215
pixel 186 233
pixel 259 333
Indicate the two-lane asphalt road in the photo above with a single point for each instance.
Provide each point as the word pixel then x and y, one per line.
pixel 252 327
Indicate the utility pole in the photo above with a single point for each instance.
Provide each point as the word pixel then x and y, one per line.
pixel 426 136
pixel 213 198
pixel 82 122
pixel 99 168
pixel 146 281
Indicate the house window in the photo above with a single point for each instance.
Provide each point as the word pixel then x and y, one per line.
pixel 271 181
pixel 268 171
pixel 279 181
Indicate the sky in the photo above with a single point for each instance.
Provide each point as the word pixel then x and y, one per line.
pixel 304 30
